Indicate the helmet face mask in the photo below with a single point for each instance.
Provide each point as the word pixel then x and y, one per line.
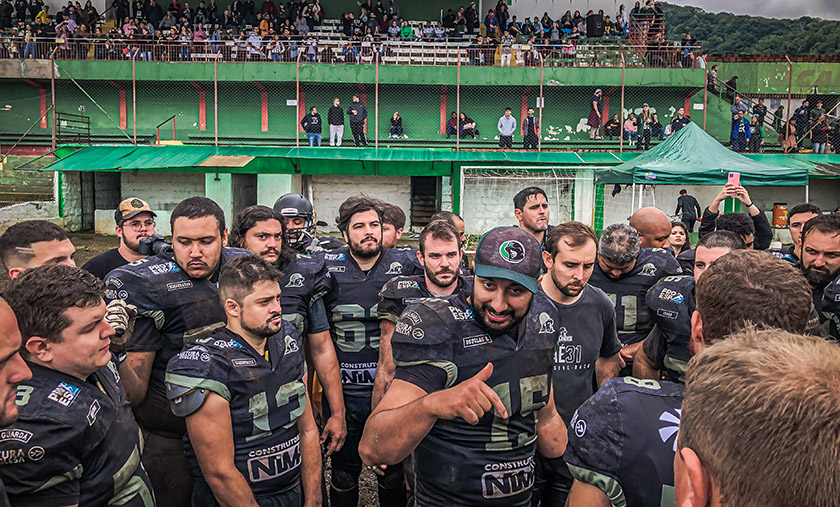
pixel 296 206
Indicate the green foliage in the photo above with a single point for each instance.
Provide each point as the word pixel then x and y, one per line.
pixel 728 33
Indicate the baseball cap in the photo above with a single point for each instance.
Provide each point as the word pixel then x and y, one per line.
pixel 510 253
pixel 131 207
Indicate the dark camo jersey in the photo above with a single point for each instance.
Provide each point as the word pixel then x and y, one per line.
pixel 438 344
pixel 671 302
pixel 830 311
pixel 402 291
pixel 623 440
pixel 628 292
pixel 305 281
pixel 352 306
pixel 172 310
pixel 75 442
pixel 265 397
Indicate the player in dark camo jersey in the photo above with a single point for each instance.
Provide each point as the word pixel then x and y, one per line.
pixel 625 272
pixel 473 444
pixel 622 440
pixel 671 302
pixel 359 270
pixel 242 390
pixel 260 230
pixel 440 255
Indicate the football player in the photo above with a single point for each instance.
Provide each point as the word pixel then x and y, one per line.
pixel 671 302
pixel 393 224
pixel 625 272
pixel 623 439
pixel 530 207
pixel 458 222
pixel 440 255
pixel 301 221
pixel 750 399
pixel 259 229
pixel 797 217
pixel 253 440
pixel 654 227
pixel 35 243
pixel 359 270
pixel 472 395
pixel 75 441
pixel 177 301
pixel 588 345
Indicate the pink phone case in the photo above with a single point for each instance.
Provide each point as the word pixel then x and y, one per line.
pixel 735 179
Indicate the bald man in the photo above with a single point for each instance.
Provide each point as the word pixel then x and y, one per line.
pixel 654 227
pixel 13 369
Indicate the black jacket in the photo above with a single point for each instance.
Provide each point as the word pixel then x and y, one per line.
pixel 689 206
pixel 311 123
pixel 361 112
pixel 335 116
pixel 763 232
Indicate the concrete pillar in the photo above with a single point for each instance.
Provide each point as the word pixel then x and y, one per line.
pixel 272 186
pixel 220 189
pixel 72 189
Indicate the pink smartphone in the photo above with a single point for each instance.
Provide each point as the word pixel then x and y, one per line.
pixel 735 179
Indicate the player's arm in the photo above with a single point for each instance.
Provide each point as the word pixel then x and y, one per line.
pixel 643 366
pixel 135 371
pixel 406 414
pixel 385 367
pixel 326 366
pixel 551 430
pixel 608 367
pixel 584 494
pixel 310 467
pixel 211 434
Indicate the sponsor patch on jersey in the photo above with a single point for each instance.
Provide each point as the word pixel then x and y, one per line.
pixel 296 280
pixel 12 434
pixel 668 314
pixel 648 269
pixel 501 480
pixel 110 294
pixel 418 334
pixel 94 409
pixel 244 362
pixel 669 431
pixel 546 324
pixel 122 294
pixel 64 394
pixel 459 314
pixel 357 373
pixel 512 251
pixel 837 298
pixel 580 428
pixel 273 462
pixel 335 269
pixel 116 282
pixel 334 257
pixel 475 341
pixel 36 452
pixel 671 295
pixel 291 345
pixel 403 328
pixel 407 284
pixel 194 355
pixel 394 269
pixel 563 335
pixel 230 344
pixel 184 284
pixel 411 301
pixel 166 267
pixel 413 316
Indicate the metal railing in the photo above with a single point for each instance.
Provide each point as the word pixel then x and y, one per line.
pixel 447 52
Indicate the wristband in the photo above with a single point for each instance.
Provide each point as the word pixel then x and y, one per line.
pixel 750 204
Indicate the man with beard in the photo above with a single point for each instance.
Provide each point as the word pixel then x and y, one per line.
pixel 135 221
pixel 259 229
pixel 588 346
pixel 472 396
pixel 458 222
pixel 530 207
pixel 177 300
pixel 820 256
pixel 252 438
pixel 359 270
pixel 672 302
pixel 622 440
pixel 798 216
pixel 440 255
pixel 625 272
pixel 300 222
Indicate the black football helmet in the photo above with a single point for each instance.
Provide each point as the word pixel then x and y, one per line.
pixel 292 206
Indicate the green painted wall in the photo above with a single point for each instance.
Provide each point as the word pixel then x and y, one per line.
pixel 773 78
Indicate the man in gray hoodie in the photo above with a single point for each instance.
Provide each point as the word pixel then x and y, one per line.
pixel 507 126
pixel 357 113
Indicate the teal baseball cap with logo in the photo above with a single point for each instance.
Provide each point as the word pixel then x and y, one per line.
pixel 510 253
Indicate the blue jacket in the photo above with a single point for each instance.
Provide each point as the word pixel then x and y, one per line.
pixel 735 123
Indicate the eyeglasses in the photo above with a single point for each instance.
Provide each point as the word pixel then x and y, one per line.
pixel 137 225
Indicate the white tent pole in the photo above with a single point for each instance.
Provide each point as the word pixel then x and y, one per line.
pixel 633 199
pixel 807 191
pixel 641 189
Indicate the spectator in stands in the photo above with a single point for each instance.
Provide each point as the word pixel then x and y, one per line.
pixel 646 121
pixel 428 32
pixel 760 111
pixel 394 30
pixel 815 112
pixel 612 129
pixel 756 135
pixel 502 15
pixel 406 32
pixel 740 132
pixel 491 24
pixel 276 49
pixel 530 131
pixel 335 118
pixel 466 127
pixel 507 49
pixel 394 9
pixel 778 119
pixel 622 20
pixel 711 84
pixel 311 124
pixel 820 133
pixel 396 125
pixel 357 113
pixel 800 117
pixel 514 27
pixel 730 88
pixel 631 128
pixel 679 121
pixel 440 32
pixel 255 45
pixel 470 17
pixel 834 135
pixel 506 126
pixel 594 121
pixel 738 105
pixel 311 49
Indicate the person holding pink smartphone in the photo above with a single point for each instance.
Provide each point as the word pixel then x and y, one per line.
pixel 753 227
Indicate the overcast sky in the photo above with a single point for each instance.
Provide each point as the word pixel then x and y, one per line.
pixel 826 9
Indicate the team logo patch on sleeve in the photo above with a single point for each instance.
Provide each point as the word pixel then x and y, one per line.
pixel 291 345
pixel 296 280
pixel 64 394
pixel 546 324
pixel 394 269
pixel 94 409
pixel 512 251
